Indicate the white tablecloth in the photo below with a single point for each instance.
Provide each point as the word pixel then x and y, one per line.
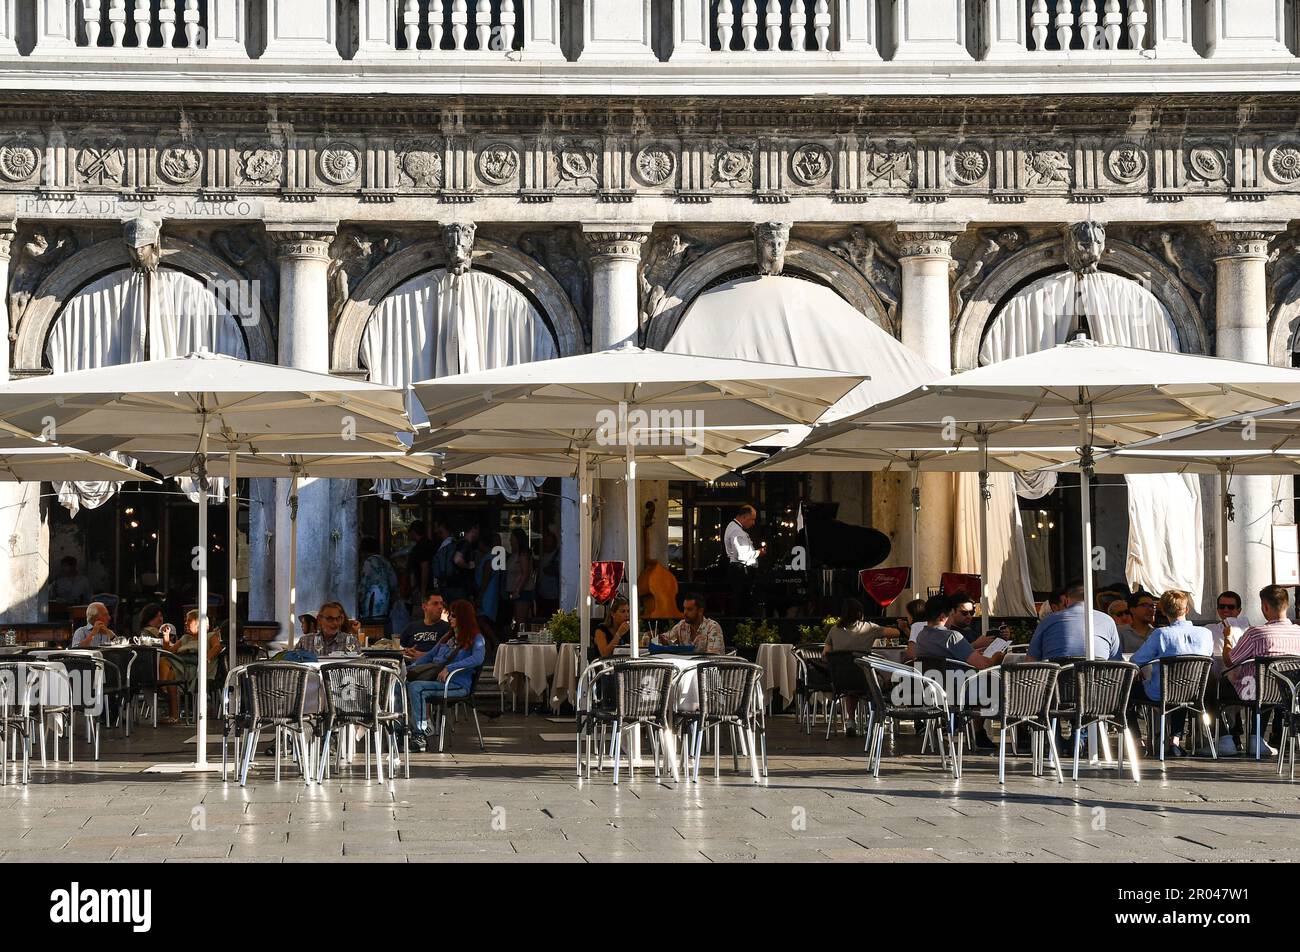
pixel 564 685
pixel 536 663
pixel 780 670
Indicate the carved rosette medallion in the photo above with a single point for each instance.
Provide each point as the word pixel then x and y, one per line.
pixel 655 165
pixel 1207 164
pixel 811 164
pixel 1284 163
pixel 1126 164
pixel 179 163
pixel 498 164
pixel 970 166
pixel 19 161
pixel 339 164
pixel 578 164
pixel 262 166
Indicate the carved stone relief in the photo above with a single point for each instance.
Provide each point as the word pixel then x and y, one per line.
pixel 993 243
pixel 1085 243
pixel 558 252
pixel 43 248
pixel 874 263
pixel 142 237
pixel 245 249
pixel 662 261
pixel 458 240
pixel 770 241
pixel 354 253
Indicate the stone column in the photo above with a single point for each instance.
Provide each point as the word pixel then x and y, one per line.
pixel 24 532
pixel 303 251
pixel 925 259
pixel 615 256
pixel 1241 333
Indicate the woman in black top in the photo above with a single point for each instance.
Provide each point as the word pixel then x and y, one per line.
pixel 611 633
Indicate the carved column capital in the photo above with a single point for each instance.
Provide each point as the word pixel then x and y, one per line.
pixel 623 242
pixel 309 242
pixel 1243 241
pixel 927 244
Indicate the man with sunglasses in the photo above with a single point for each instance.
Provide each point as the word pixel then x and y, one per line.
pixel 1228 628
pixel 1122 615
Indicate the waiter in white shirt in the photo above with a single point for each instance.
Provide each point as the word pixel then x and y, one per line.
pixel 742 556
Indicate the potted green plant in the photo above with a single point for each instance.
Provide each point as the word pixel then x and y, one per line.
pixel 752 633
pixel 565 627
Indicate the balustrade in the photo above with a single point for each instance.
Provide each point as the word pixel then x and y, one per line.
pixel 178 24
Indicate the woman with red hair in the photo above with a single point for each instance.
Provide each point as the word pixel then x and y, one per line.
pixel 459 657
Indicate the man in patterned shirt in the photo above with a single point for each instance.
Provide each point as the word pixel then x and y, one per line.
pixel 694 629
pixel 1277 636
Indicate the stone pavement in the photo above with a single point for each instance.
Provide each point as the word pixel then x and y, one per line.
pixel 520 800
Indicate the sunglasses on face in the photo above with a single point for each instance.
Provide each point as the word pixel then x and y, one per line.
pixel 1122 611
pixel 1227 608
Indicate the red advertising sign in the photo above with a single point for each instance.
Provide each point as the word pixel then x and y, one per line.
pixel 884 585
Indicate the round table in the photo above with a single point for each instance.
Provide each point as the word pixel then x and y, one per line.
pixel 564 684
pixel 780 671
pixel 535 662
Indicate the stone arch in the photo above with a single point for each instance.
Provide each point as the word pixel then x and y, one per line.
pixel 1284 331
pixel 497 259
pixel 1043 257
pixel 85 266
pixel 803 256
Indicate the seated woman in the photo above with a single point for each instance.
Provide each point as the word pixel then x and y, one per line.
pixel 610 633
pixel 151 621
pixel 187 647
pixel 853 633
pixel 459 657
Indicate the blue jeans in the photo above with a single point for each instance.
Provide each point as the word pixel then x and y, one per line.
pixel 420 692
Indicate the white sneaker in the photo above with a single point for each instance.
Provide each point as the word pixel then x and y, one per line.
pixel 1262 745
pixel 1227 746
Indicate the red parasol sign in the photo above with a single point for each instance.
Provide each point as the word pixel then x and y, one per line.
pixel 884 585
pixel 606 577
pixel 950 583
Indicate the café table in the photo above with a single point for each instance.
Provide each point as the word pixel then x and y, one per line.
pixel 780 672
pixel 534 663
pixel 564 685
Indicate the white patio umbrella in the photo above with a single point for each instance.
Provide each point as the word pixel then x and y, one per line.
pixel 57 463
pixel 198 404
pixel 631 395
pixel 1112 393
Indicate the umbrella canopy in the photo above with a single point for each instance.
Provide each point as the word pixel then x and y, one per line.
pixel 305 465
pixel 676 391
pixel 238 403
pixel 704 467
pixel 53 463
pixel 1104 388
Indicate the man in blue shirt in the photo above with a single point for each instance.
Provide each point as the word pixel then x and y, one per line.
pixel 1060 634
pixel 1179 637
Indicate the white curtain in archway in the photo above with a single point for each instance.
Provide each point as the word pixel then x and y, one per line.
pixel 107 323
pixel 439 324
pixel 1166 543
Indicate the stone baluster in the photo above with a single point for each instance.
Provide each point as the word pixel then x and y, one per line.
pixel 140 25
pixel 1038 21
pixel 1137 24
pixel 117 21
pixel 1064 25
pixel 459 24
pixel 483 24
pixel 507 25
pixel 195 38
pixel 411 23
pixel 822 25
pixel 726 21
pixel 90 13
pixel 749 24
pixel 167 22
pixel 1112 24
pixel 772 26
pixel 1088 24
pixel 436 29
pixel 798 25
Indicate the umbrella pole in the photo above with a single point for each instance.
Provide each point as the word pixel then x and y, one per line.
pixel 584 556
pixel 1085 526
pixel 915 467
pixel 986 607
pixel 1222 574
pixel 201 688
pixel 232 553
pixel 633 599
pixel 293 557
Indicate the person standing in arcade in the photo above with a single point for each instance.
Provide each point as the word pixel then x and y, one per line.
pixel 742 557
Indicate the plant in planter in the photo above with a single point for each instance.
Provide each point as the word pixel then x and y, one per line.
pixel 750 634
pixel 565 627
pixel 816 634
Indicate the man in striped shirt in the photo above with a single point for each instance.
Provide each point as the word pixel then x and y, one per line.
pixel 1277 636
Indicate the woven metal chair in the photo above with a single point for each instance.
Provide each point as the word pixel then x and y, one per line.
pixel 953 675
pixel 592 711
pixel 277 699
pixel 847 681
pixel 643 694
pixel 814 683
pixel 1270 696
pixel 360 695
pixel 1024 699
pixel 1289 681
pixel 236 707
pixel 1101 694
pixel 18 684
pixel 87 676
pixel 1184 680
pixel 119 662
pixel 730 694
pixel 901 692
pixel 447 704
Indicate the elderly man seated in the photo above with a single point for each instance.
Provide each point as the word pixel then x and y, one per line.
pixel 334 634
pixel 95 633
